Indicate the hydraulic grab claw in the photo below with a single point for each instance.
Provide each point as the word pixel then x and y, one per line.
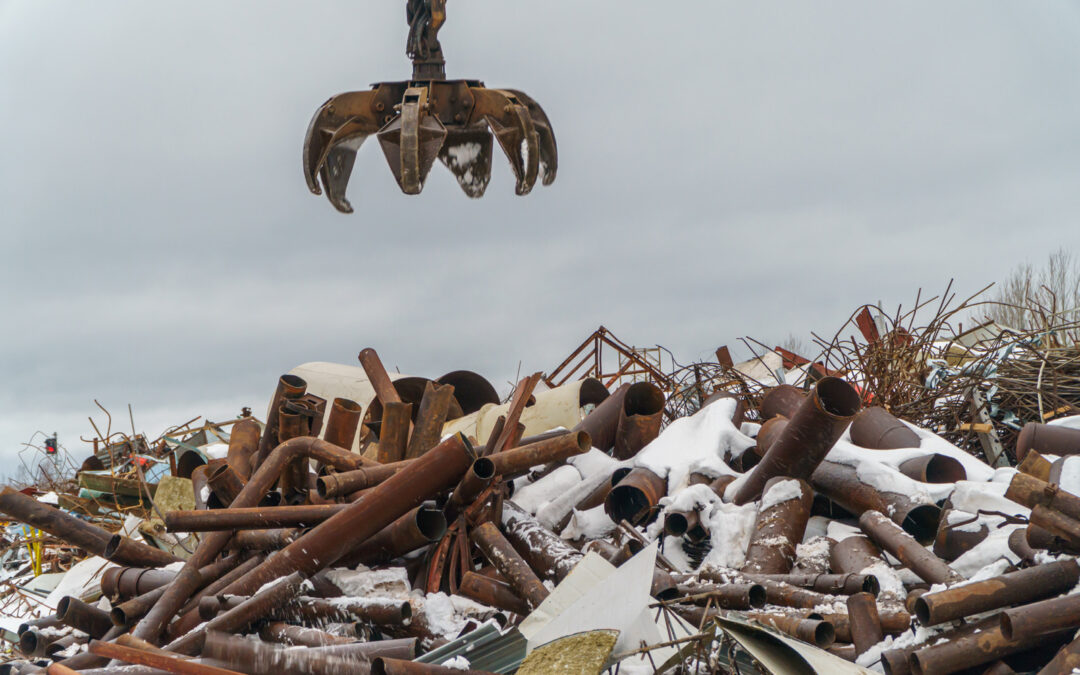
pixel 429 118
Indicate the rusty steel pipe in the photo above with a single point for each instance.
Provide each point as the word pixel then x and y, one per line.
pixel 854 554
pixel 98 541
pixel 1035 465
pixel 258 658
pixel 1039 538
pixel 1047 439
pixel 636 496
pixel 1014 588
pixel 897 661
pixel 1042 617
pixel 933 468
pixel 387 666
pixel 171 664
pixel 81 616
pixel 780 526
pixel 347 482
pixel 892 622
pixel 598 495
pixel 287 633
pixel 725 596
pixel 488 591
pixel 417 528
pixel 517 461
pixel 500 553
pixel 225 483
pixel 475 481
pixel 907 550
pixel 430 418
pixel 264 540
pixel 811 432
pixel 877 429
pixel 1018 544
pixel 188 579
pixel 677 523
pixel 865 622
pixel 289 387
pixel 973 649
pixel 377 376
pixel 1057 524
pixel 342 423
pixel 831 584
pixel 257 517
pixel 257 607
pixel 400 648
pixel 198 484
pixel 394 432
pixel 439 469
pixel 782 399
pixel 842 485
pixel 180 626
pixel 244 447
pixel 814 559
pixel 769 432
pixel 548 554
pixel 383 612
pixel 1067 660
pixel 812 631
pixel 212 605
pixel 123 583
pixel 778 592
pixel 639 419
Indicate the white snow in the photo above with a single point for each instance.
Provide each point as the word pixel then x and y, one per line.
pixel 1069 480
pixel 591 524
pixel 780 492
pixel 536 496
pixel 973 497
pixel 459 662
pixel 391 582
pixel 215 450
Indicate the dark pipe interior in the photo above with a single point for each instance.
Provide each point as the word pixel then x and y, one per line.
pixel 921 522
pixel 838 397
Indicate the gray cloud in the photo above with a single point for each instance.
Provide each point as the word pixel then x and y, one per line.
pixel 725 169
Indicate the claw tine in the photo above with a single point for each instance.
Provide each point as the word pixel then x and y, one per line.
pixel 314 146
pixel 549 152
pixel 411 142
pixel 529 149
pixel 337 169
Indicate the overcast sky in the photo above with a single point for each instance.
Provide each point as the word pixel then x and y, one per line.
pixel 725 169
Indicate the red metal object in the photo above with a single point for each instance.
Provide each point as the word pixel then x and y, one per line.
pixel 289 387
pixel 639 419
pixel 343 422
pixel 518 461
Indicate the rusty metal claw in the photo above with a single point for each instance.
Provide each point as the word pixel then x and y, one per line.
pixel 411 142
pixel 549 153
pixel 467 153
pixel 513 127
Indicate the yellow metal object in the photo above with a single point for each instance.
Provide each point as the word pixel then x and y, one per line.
pixel 33 546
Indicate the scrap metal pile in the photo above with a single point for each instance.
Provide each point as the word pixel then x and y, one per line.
pixel 389 524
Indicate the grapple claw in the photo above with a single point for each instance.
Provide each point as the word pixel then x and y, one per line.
pixel 411 141
pixel 467 153
pixel 429 117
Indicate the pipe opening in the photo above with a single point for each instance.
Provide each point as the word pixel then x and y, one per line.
pixel 118 617
pixel 837 397
pixel 921 523
pixel 584 441
pixel 187 463
pixel 922 611
pixel 431 522
pixel 871 585
pixel 756 596
pixel 643 398
pixel 824 634
pixel 592 392
pixel 944 469
pixel 618 474
pixel 63 606
pixel 293 384
pixel 28 642
pixel 472 390
pixel 667 593
pixel 347 405
pixel 675 524
pixel 483 468
pixel 323 485
pixel 112 545
pixel 629 503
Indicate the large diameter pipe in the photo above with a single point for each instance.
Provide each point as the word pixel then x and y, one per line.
pixel 473 483
pixel 500 553
pixel 603 422
pixel 1066 661
pixel 1036 465
pixel 639 419
pixel 814 428
pixel 933 468
pixel 636 496
pixel 854 554
pixel 98 541
pixel 832 584
pixel 123 583
pixel 907 550
pixel 1058 524
pixel 223 481
pixel 813 631
pixel 1047 439
pixel 244 447
pixel 841 484
pixel 348 482
pixel 81 616
pixel 518 461
pixel 877 429
pixel 769 432
pixel 286 633
pixel 1014 588
pixel 267 473
pixel 892 622
pixel 259 658
pixel 780 526
pixel 725 596
pixel 439 469
pixel 954 539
